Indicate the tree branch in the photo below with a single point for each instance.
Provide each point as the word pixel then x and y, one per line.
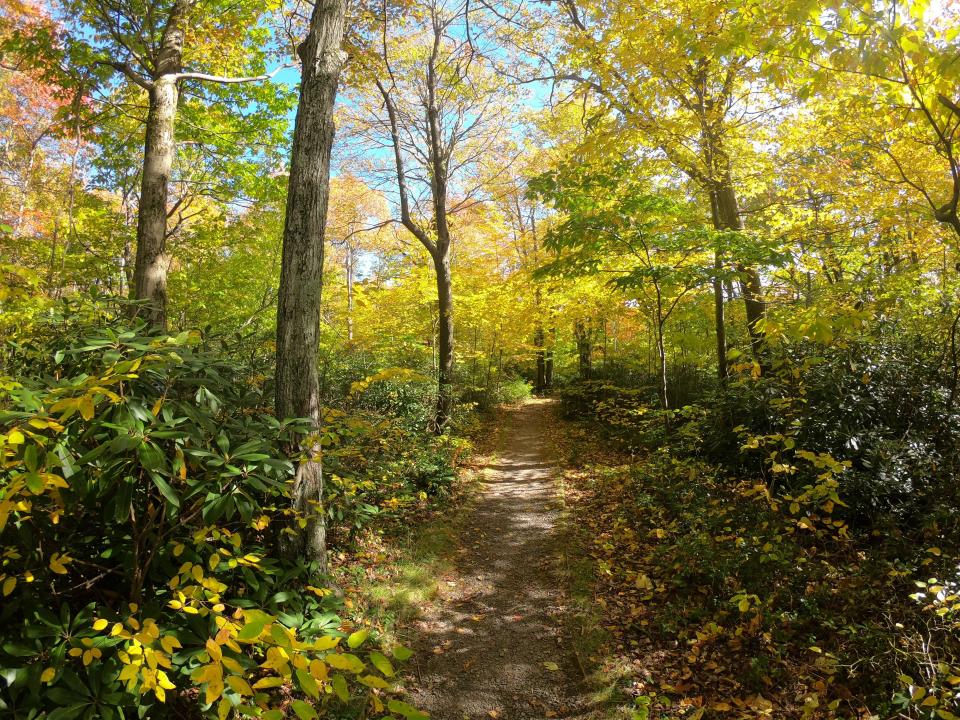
pixel 204 77
pixel 131 74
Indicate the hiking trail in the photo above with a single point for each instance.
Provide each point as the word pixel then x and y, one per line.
pixel 492 644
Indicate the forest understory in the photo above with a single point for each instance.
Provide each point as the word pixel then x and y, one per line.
pixel 466 359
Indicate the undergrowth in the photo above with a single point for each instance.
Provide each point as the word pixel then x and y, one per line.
pixel 728 593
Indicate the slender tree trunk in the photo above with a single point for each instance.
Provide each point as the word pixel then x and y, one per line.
pixel 152 264
pixel 751 286
pixel 538 339
pixel 720 327
pixel 659 322
pixel 444 338
pixel 350 271
pixel 25 190
pixel 662 362
pixel 719 321
pixel 126 274
pixel 438 157
pixel 54 243
pixel 301 272
pixel 584 350
pixel 441 256
pixel 548 362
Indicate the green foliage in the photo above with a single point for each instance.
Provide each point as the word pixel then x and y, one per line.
pixel 836 466
pixel 143 496
pixel 733 576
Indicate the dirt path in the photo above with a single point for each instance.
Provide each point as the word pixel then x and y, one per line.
pixel 492 645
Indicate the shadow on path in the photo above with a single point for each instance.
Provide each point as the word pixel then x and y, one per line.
pixel 493 646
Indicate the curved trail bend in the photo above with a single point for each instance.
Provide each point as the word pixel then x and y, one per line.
pixel 492 645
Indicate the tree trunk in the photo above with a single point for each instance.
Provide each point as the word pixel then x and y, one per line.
pixel 719 321
pixel 538 339
pixel 659 322
pixel 441 263
pixel 152 263
pixel 548 362
pixel 751 286
pixel 350 272
pixel 54 243
pixel 584 350
pixel 301 271
pixel 662 367
pixel 25 191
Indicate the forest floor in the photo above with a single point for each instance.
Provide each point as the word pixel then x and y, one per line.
pixel 566 577
pixel 495 640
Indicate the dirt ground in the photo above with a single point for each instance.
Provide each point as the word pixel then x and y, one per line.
pixel 492 645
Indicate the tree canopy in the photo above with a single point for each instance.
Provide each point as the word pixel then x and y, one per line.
pixel 270 270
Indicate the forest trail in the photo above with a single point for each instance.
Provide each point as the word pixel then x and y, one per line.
pixel 492 646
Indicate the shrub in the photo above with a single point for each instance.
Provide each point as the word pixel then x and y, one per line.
pixel 512 391
pixel 142 495
pixel 880 405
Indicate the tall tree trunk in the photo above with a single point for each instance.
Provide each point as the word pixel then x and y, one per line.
pixel 662 367
pixel 584 350
pixel 719 321
pixel 438 157
pixel 445 355
pixel 301 271
pixel 659 322
pixel 548 362
pixel 25 190
pixel 538 341
pixel 54 242
pixel 441 257
pixel 152 263
pixel 751 286
pixel 350 275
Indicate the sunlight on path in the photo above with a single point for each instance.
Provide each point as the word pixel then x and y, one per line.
pixel 493 646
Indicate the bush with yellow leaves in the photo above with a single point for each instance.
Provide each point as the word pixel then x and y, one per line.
pixel 143 492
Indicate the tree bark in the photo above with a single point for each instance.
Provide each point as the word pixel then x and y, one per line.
pixel 439 248
pixel 751 286
pixel 538 340
pixel 152 264
pixel 445 355
pixel 659 322
pixel 548 362
pixel 350 277
pixel 584 350
pixel 719 320
pixel 301 271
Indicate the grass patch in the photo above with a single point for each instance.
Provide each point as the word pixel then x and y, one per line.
pixel 397 575
pixel 420 560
